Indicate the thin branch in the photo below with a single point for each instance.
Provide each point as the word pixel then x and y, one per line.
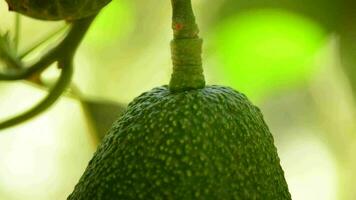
pixel 53 95
pixel 64 54
pixel 17 31
pixel 66 48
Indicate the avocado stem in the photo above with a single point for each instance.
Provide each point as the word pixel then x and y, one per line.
pixel 186 49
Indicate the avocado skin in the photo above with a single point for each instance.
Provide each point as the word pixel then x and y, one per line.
pixel 209 143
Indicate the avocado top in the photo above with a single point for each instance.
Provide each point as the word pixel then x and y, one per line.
pixel 208 143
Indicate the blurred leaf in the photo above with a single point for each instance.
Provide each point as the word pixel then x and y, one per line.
pixel 324 12
pixel 347 31
pixel 102 114
pixel 112 23
pixel 264 50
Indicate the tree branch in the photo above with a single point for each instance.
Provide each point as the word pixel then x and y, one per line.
pixel 66 48
pixel 64 54
pixel 53 95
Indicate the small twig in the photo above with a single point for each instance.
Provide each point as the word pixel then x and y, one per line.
pixel 65 48
pixel 11 62
pixel 8 53
pixel 17 31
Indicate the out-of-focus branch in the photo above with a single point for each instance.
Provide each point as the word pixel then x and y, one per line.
pixel 53 95
pixel 63 53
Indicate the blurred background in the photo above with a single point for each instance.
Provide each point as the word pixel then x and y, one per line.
pixel 295 59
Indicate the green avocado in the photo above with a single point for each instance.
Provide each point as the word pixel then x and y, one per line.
pixel 186 140
pixel 208 143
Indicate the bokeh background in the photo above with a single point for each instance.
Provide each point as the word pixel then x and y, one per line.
pixel 295 59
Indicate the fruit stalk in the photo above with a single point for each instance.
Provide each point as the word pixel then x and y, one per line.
pixel 186 49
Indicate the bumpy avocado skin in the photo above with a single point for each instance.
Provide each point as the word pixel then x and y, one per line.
pixel 210 143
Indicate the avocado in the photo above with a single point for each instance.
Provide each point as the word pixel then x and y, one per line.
pixel 186 140
pixel 208 143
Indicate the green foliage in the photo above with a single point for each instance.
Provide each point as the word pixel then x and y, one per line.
pixel 265 50
pixel 111 24
pixel 324 12
pixel 102 114
pixel 209 143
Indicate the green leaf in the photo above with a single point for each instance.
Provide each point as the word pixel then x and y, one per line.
pixel 102 114
pixel 266 50
pixel 112 23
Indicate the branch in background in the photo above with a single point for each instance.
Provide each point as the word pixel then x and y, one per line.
pixel 63 53
pixel 53 95
pixel 66 48
pixel 17 31
pixel 8 52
